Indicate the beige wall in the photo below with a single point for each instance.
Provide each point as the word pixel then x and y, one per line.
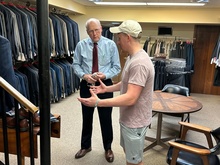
pixel 182 19
pixel 155 15
pixel 69 5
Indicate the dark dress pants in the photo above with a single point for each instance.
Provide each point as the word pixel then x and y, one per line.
pixel 104 118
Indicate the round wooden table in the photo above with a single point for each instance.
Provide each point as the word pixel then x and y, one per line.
pixel 164 102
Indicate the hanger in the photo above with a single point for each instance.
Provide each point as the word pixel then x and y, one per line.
pixel 28 4
pixel 3 2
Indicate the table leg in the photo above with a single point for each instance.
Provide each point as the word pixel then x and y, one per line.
pixel 158 140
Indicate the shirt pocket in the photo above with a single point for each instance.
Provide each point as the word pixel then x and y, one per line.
pixel 86 57
pixel 104 59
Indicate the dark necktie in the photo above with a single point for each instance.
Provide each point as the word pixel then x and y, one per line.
pixel 95 59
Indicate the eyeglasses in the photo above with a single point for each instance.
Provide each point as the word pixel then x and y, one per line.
pixel 93 31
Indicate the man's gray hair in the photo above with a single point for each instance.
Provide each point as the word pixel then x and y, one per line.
pixel 92 20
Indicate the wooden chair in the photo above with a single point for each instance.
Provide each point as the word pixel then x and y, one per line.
pixel 183 152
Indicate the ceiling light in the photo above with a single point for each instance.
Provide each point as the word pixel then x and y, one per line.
pixel 203 1
pixel 148 3
pixel 174 4
pixel 115 23
pixel 121 3
pixel 95 0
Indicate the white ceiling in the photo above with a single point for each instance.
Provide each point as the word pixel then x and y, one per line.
pixel 211 3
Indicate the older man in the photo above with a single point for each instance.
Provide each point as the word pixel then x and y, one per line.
pixel 90 69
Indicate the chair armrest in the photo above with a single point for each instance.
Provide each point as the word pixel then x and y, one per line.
pixel 190 149
pixel 177 147
pixel 197 128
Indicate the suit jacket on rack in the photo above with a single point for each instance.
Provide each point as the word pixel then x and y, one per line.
pixel 7 71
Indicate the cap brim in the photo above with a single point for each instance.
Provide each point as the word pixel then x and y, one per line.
pixel 115 30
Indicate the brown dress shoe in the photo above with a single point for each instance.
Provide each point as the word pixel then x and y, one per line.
pixel 36 119
pixel 23 114
pixel 11 123
pixel 23 125
pixel 109 156
pixel 82 152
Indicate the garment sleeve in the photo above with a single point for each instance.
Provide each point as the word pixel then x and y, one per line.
pixel 77 62
pixel 115 62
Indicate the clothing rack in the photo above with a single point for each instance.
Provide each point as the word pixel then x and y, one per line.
pixel 169 37
pixel 27 4
pixel 58 11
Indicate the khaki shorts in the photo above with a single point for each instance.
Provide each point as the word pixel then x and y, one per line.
pixel 132 141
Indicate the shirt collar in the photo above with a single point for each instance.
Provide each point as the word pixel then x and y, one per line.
pixel 91 42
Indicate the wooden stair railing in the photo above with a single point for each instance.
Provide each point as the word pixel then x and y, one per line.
pixel 18 96
pixel 24 136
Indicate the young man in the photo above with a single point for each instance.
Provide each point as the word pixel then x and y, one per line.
pixel 136 88
pixel 108 66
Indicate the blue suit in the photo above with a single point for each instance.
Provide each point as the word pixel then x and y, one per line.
pixel 7 71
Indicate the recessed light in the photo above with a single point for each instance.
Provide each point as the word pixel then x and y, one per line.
pixel 174 4
pixel 121 3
